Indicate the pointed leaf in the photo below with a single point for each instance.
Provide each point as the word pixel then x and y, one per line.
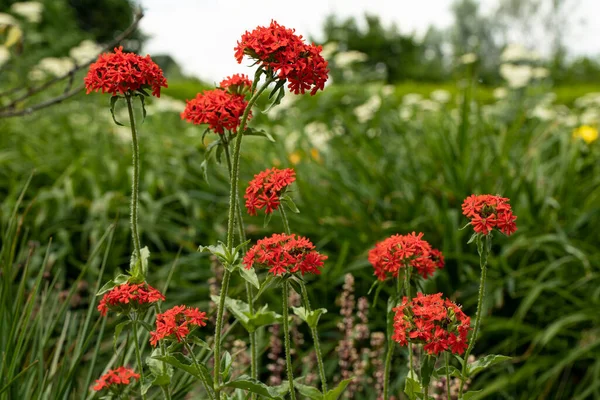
pixel 336 392
pixel 308 391
pixel 118 330
pixel 484 363
pixel 259 132
pixel 287 200
pixel 160 370
pixel 255 386
pixel 412 388
pixel 178 360
pixel 249 276
pixel 473 394
pixel 312 317
pixel 113 102
pixel 226 361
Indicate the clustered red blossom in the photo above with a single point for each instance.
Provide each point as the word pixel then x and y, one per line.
pixel 400 251
pixel 114 379
pixel 440 325
pixel 127 297
pixel 266 188
pixel 218 108
pixel 488 212
pixel 283 253
pixel 236 84
pixel 120 73
pixel 176 322
pixel 280 50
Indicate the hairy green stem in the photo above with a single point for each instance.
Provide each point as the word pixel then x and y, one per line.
pixel 286 224
pixel 316 342
pixel 233 195
pixel 163 352
pixel 249 291
pixel 207 387
pixel 136 180
pixel 138 356
pixel 407 289
pixel 483 251
pixel 390 346
pixel 446 359
pixel 286 336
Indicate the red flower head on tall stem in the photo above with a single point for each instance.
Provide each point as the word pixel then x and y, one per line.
pixel 265 190
pixel 400 251
pixel 116 380
pixel 236 84
pixel 122 73
pixel 278 49
pixel 129 297
pixel 176 323
pixel 283 254
pixel 440 325
pixel 218 108
pixel 488 212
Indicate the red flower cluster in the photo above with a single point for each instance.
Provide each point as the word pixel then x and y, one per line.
pixel 266 188
pixel 119 73
pixel 236 84
pixel 128 297
pixel 438 324
pixel 217 108
pixel 115 378
pixel 283 253
pixel 488 212
pixel 175 323
pixel 398 251
pixel 280 50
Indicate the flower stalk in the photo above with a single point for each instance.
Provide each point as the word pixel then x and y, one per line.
pixel 135 181
pixel 286 336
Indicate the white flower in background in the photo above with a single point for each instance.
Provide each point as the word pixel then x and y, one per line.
pixel 388 90
pixel 291 141
pixel 7 19
pixel 517 76
pixel 318 133
pixel 588 100
pixel 543 113
pixel 329 49
pixel 406 113
pixel 347 58
pixel 85 52
pixel 4 55
pixel 540 73
pixel 441 96
pixel 366 111
pixel 590 116
pixel 30 10
pixel 468 58
pixel 53 66
pixel 515 52
pixel 165 104
pixel 569 120
pixel 428 105
pixel 500 93
pixel 410 99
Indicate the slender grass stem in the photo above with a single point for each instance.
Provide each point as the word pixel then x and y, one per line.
pixel 286 335
pixel 447 361
pixel 233 195
pixel 483 251
pixel 136 179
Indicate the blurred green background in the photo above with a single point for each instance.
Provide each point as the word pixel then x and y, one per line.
pixel 402 134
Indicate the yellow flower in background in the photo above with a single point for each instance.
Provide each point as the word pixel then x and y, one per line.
pixel 295 157
pixel 588 133
pixel 314 153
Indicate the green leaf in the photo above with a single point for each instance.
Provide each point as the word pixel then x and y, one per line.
pixel 249 276
pixel 279 89
pixel 269 281
pixel 118 280
pixel 455 372
pixel 139 268
pixel 336 392
pixel 258 132
pixel 226 365
pixel 312 317
pixel 204 170
pixel 221 251
pixel 473 238
pixel 287 200
pixel 427 368
pixel 484 363
pixel 412 388
pixel 178 360
pixel 309 391
pixel 118 330
pixel 252 385
pixel 142 97
pixel 471 395
pixel 268 217
pixel 199 342
pixel 251 322
pixel 160 370
pixel 113 102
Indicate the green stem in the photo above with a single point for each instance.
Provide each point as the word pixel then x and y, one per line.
pixel 249 291
pixel 390 347
pixel 446 358
pixel 407 289
pixel 233 195
pixel 202 377
pixel 286 224
pixel 315 336
pixel 136 180
pixel 286 335
pixel 138 356
pixel 483 251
